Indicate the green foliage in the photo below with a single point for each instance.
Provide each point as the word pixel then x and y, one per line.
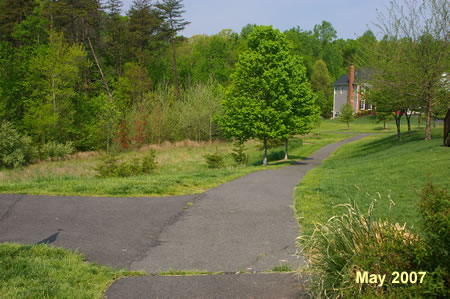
pixel 15 149
pixel 111 167
pixel 384 117
pixel 215 160
pixel 270 96
pixel 149 163
pixel 54 150
pixel 346 114
pixel 434 208
pixel 354 242
pixel 239 153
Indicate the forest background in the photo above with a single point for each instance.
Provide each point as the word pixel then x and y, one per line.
pixel 81 72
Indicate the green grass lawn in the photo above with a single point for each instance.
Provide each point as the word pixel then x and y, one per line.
pixel 368 124
pixel 40 271
pixel 181 170
pixel 376 164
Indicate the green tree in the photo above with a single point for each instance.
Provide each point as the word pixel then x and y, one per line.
pixel 419 36
pixel 171 11
pixel 325 32
pixel 144 29
pixel 268 89
pixel 346 114
pixel 52 79
pixel 384 117
pixel 321 84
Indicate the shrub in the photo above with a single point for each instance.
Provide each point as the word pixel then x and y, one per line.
pixel 15 149
pixel 54 150
pixel 149 163
pixel 239 153
pixel 346 114
pixel 354 242
pixel 434 208
pixel 110 167
pixel 214 160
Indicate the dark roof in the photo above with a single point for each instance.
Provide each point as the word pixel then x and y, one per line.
pixel 343 80
pixel 361 76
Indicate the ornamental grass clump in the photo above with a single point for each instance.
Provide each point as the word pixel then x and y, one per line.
pixel 346 246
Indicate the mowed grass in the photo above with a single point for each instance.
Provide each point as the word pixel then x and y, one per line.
pixel 40 271
pixel 376 164
pixel 181 170
pixel 368 124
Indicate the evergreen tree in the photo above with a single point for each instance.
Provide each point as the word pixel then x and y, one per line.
pixel 172 11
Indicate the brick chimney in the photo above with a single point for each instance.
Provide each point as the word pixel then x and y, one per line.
pixel 351 79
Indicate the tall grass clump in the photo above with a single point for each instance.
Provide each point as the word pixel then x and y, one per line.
pixel 356 242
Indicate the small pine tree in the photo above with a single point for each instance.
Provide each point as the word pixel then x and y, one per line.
pixel 346 114
pixel 384 117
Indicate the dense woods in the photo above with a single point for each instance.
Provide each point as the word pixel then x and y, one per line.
pixel 83 71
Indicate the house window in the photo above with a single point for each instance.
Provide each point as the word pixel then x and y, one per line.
pixel 342 89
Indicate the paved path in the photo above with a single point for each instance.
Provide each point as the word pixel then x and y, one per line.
pixel 247 224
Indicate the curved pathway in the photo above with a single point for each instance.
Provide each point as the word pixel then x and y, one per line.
pixel 244 225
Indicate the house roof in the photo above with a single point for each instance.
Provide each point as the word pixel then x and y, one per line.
pixel 361 76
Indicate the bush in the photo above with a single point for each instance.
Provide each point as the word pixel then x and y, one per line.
pixel 15 150
pixel 239 153
pixel 214 160
pixel 54 150
pixel 149 163
pixel 434 208
pixel 110 167
pixel 354 242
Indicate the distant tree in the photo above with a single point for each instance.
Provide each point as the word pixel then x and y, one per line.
pixel 384 117
pixel 325 32
pixel 171 11
pixel 346 114
pixel 13 12
pixel 419 36
pixel 269 96
pixel 321 84
pixel 246 30
pixel 144 26
pixel 114 7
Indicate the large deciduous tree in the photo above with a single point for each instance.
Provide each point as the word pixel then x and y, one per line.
pixel 269 96
pixel 171 11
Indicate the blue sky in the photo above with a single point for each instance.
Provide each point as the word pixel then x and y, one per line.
pixel 350 18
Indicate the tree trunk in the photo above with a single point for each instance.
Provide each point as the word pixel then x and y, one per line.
pixel 286 149
pixel 429 111
pixel 397 118
pixel 447 129
pixel 177 82
pixel 408 120
pixel 418 119
pixel 265 151
pixel 100 69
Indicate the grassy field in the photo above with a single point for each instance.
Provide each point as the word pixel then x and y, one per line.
pixel 375 164
pixel 44 272
pixel 181 170
pixel 368 124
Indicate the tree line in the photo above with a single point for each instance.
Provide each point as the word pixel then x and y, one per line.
pixel 82 71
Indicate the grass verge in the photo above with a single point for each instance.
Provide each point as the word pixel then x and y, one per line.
pixel 182 170
pixel 40 271
pixel 375 164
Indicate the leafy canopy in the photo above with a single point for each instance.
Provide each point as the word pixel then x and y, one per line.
pixel 270 96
